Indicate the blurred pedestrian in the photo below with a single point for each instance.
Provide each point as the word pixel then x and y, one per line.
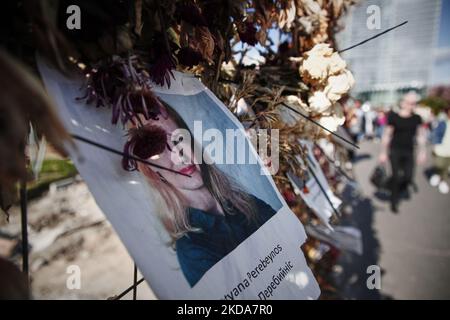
pixel 352 125
pixel 398 146
pixel 369 117
pixel 441 151
pixel 381 123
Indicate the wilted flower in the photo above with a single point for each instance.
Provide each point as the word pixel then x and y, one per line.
pixel 247 32
pixel 333 121
pixel 190 13
pixel 132 103
pixel 161 70
pixel 321 49
pixel 189 57
pixel 318 102
pixel 143 142
pixel 339 85
pixel 290 117
pixel 122 85
pixel 320 63
pixel 316 65
pixel 287 16
pixel 336 63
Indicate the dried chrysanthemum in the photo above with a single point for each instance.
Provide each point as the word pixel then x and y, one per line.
pixel 139 101
pixel 144 143
pixel 161 70
pixel 124 86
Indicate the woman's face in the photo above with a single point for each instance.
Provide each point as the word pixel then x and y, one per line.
pixel 173 159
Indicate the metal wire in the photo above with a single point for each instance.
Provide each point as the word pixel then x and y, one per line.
pixel 24 226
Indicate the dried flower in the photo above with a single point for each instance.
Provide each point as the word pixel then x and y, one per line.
pixel 140 101
pixel 123 85
pixel 143 142
pixel 336 64
pixel 290 117
pixel 318 102
pixel 247 33
pixel 161 71
pixel 190 13
pixel 316 65
pixel 339 85
pixel 189 57
pixel 334 120
pixel 287 16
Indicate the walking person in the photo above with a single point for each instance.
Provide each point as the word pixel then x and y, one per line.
pixel 441 152
pixel 381 123
pixel 398 146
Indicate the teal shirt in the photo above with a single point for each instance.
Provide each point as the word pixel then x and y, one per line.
pixel 220 234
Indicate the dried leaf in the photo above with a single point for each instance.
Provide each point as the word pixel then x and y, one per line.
pixel 203 42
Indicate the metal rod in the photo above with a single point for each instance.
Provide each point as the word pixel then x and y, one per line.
pixel 121 295
pixel 134 282
pixel 101 146
pixel 318 124
pixel 375 36
pixel 24 226
pixel 338 168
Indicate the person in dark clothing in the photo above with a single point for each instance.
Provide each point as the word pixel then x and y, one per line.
pixel 398 145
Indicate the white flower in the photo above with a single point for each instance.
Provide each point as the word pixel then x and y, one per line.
pixel 339 85
pixel 320 63
pixel 290 117
pixel 333 118
pixel 287 16
pixel 336 64
pixel 321 49
pixel 314 67
pixel 316 64
pixel 318 102
pixel 297 103
pixel 310 6
pixel 331 122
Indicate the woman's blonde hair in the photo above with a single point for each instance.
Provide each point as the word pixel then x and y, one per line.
pixel 173 207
